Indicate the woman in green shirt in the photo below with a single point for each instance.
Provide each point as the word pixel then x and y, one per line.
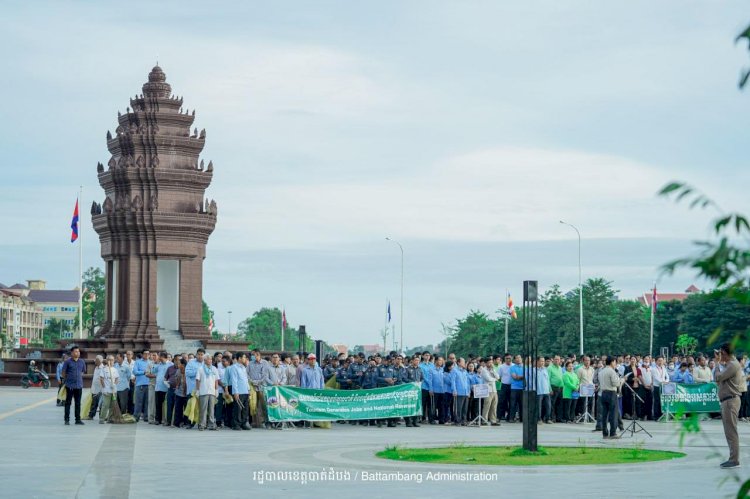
pixel 570 385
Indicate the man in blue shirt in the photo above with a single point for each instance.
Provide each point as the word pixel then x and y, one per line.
pixel 123 384
pixel 240 391
pixel 516 389
pixel 71 374
pixel 683 375
pixel 312 375
pixel 426 366
pixel 141 387
pixel 543 390
pixel 460 382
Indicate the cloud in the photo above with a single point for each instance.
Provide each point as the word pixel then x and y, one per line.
pixel 495 194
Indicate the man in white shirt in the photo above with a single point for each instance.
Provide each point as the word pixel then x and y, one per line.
pixel 108 380
pixel 489 375
pixel 659 375
pixel 702 373
pixel 278 371
pixel 645 390
pixel 206 383
pixel 96 387
pixel 585 377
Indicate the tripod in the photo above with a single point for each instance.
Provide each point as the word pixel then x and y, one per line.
pixel 634 426
pixel 479 420
pixel 586 417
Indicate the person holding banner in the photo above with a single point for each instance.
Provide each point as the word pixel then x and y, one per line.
pixel 730 380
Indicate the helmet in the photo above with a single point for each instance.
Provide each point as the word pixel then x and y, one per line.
pixel 33 363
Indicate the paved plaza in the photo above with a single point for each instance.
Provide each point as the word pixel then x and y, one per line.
pixel 42 458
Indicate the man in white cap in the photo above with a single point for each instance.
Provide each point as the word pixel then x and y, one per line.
pixel 312 374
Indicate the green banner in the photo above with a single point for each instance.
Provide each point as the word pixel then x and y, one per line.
pixel 289 403
pixel 701 397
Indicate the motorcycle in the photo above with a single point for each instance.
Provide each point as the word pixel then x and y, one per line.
pixel 42 382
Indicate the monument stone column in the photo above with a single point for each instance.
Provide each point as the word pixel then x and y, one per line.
pixel 154 221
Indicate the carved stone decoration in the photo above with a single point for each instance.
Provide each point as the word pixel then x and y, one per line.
pixel 112 163
pixel 212 208
pixel 137 203
pixel 153 204
pixel 140 162
pixel 93 208
pixel 195 132
pixel 118 202
pixel 126 202
pixel 154 161
pixel 210 166
pixel 107 205
pixel 203 134
pixel 121 162
pixel 99 168
pixel 206 210
pixel 198 207
pixel 109 135
pixel 201 166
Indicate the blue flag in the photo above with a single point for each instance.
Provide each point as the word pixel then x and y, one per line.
pixel 389 311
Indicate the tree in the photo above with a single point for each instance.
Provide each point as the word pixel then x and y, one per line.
pixel 686 344
pixel 52 332
pixel 558 321
pixel 93 298
pixel 667 320
pixel 208 316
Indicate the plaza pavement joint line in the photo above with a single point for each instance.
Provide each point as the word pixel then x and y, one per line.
pixel 26 408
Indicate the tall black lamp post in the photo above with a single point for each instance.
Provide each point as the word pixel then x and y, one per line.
pixel 530 407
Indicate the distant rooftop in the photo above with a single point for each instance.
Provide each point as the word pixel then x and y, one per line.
pixel 645 299
pixel 54 295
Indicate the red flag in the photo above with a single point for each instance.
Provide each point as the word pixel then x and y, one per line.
pixel 283 319
pixel 654 299
pixel 511 307
pixel 74 225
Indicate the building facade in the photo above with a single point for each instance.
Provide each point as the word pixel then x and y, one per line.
pixel 20 319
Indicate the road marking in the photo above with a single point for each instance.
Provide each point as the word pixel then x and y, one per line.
pixel 26 408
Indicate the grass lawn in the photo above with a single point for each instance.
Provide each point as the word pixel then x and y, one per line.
pixel 516 456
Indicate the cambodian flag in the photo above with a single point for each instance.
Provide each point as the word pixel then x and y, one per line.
pixel 389 312
pixel 74 225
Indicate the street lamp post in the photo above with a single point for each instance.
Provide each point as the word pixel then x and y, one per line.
pixel 580 283
pixel 401 342
pixel 230 322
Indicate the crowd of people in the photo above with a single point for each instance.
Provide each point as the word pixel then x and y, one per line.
pixel 569 389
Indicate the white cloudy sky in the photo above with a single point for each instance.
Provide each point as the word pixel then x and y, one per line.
pixel 465 130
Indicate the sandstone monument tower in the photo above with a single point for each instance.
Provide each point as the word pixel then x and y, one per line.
pixel 154 221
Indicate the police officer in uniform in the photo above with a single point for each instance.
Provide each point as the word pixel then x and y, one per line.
pixel 411 374
pixel 387 376
pixel 356 374
pixel 330 369
pixel 370 380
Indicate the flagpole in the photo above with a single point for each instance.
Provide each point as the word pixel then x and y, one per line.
pixel 653 309
pixel 507 310
pixel 283 310
pixel 385 327
pixel 80 265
